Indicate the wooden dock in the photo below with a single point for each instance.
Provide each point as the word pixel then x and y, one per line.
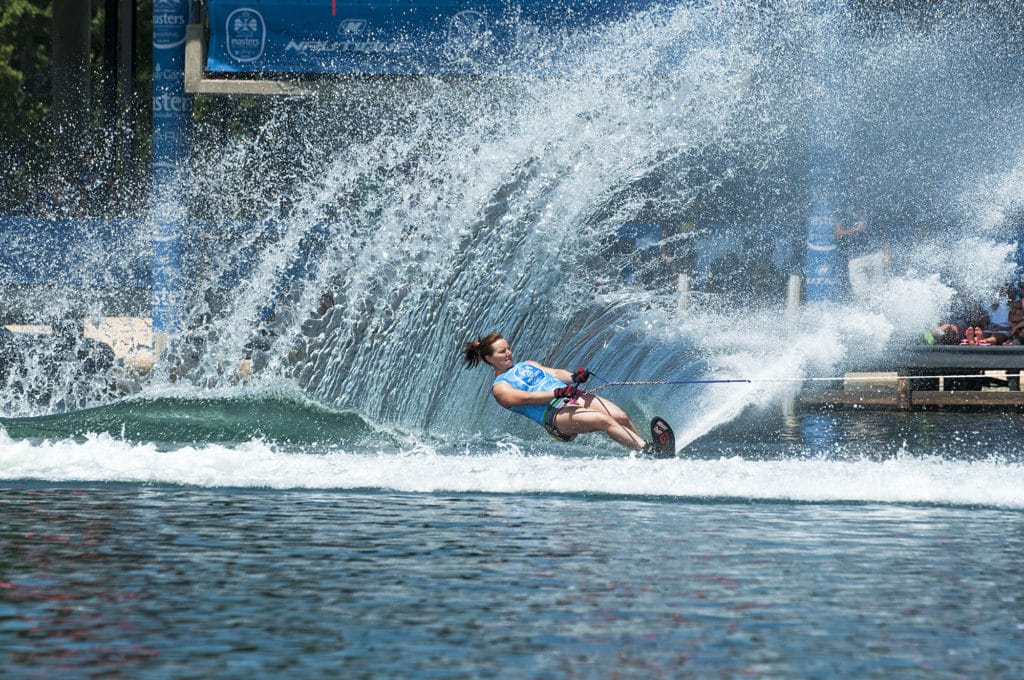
pixel 930 377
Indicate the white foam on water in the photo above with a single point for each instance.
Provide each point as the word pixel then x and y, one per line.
pixel 506 470
pixel 779 354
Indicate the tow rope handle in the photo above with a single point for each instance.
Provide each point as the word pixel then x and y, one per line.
pixel 580 376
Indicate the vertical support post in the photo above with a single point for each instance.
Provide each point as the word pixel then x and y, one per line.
pixel 793 293
pixel 828 131
pixel 903 393
pixel 821 245
pixel 793 290
pixel 172 112
pixel 683 294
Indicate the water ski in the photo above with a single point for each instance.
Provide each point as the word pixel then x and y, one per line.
pixel 663 437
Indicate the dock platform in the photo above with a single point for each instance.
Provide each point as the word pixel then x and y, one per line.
pixel 929 377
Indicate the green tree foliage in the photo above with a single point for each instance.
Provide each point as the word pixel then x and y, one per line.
pixel 24 65
pixel 27 142
pixel 25 56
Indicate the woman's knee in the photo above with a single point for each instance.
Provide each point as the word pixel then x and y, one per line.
pixel 611 420
pixel 617 414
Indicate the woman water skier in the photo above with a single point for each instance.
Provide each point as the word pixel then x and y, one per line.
pixel 550 397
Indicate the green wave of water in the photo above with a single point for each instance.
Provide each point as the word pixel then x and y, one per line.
pixel 179 420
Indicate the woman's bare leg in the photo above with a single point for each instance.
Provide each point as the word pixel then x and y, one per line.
pixel 596 403
pixel 577 420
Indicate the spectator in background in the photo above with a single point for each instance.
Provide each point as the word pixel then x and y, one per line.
pixel 990 324
pixel 997 331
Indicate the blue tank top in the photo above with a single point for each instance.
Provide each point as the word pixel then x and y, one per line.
pixel 528 378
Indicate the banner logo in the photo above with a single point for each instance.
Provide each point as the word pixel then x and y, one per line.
pixel 353 38
pixel 169 19
pixel 246 34
pixel 350 28
pixel 468 34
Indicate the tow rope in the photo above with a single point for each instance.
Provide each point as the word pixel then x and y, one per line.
pixel 723 381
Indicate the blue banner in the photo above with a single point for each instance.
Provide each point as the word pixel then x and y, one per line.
pixel 79 252
pixel 398 36
pixel 821 272
pixel 830 129
pixel 172 114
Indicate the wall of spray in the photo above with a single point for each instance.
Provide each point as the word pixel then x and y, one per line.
pixel 435 210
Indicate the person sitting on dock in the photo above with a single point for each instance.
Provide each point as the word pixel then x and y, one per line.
pixel 971 325
pixel 974 335
pixel 984 329
pixel 945 334
pixel 953 330
pixel 997 331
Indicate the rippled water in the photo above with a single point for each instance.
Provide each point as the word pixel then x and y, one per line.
pixel 187 582
pixel 309 543
pixel 392 522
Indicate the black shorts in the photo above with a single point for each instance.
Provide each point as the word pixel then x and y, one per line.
pixel 549 418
